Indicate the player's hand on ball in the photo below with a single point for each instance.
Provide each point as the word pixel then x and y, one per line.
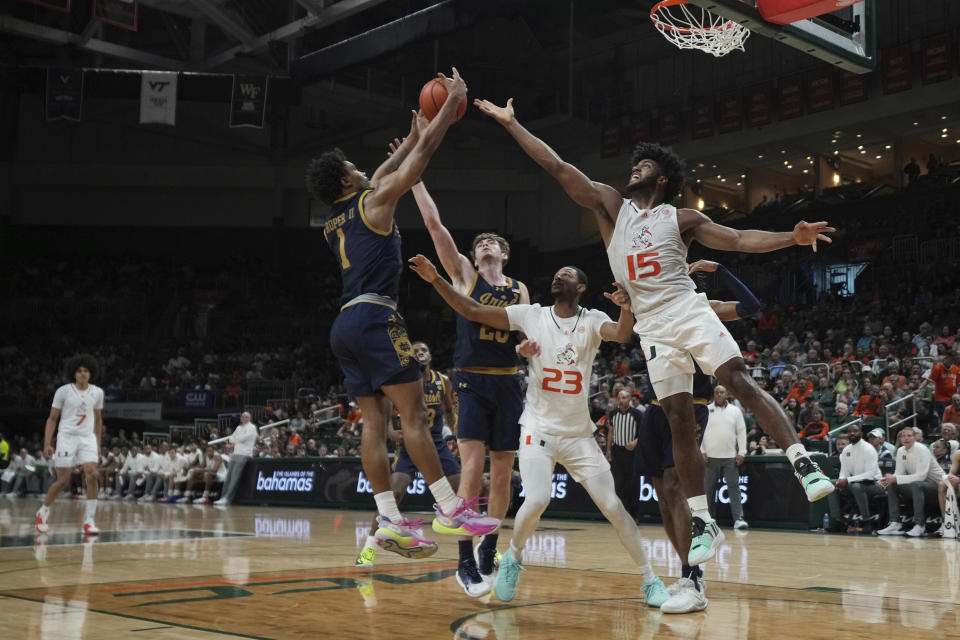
pixel 807 233
pixel 619 297
pixel 702 265
pixel 424 268
pixel 528 348
pixel 456 87
pixel 503 115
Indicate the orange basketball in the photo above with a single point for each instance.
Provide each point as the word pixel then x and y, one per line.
pixel 432 97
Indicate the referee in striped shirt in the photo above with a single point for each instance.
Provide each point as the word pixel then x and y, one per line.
pixel 623 426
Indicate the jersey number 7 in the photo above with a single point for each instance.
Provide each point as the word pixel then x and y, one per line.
pixel 637 262
pixel 572 381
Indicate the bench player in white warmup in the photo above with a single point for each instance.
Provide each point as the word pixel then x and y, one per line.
pixel 646 239
pixel 77 417
pixel 562 342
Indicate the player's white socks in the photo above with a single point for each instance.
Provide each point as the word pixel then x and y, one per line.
pixel 444 495
pixel 44 511
pixel 370 543
pixel 387 506
pixel 698 508
pixel 795 452
pixel 90 510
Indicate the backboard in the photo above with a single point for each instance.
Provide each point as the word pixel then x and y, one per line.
pixel 845 38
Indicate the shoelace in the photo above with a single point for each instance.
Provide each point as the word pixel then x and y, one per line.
pixel 511 569
pixel 697 527
pixel 471 570
pixel 464 506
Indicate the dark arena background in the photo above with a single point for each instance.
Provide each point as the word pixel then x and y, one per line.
pixel 154 214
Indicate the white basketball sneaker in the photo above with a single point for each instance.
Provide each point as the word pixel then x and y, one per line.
pixel 689 599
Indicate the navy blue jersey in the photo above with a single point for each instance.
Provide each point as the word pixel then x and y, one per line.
pixel 479 346
pixel 433 392
pixel 369 259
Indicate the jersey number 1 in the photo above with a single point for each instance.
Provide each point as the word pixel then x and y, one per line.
pixel 344 263
pixel 572 381
pixel 637 262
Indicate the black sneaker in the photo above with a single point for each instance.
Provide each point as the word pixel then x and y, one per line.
pixel 468 577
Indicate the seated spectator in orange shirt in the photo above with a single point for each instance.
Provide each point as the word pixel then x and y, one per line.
pixel 870 404
pixel 620 369
pixel 944 378
pixel 800 390
pixel 816 429
pixel 952 413
pixel 751 352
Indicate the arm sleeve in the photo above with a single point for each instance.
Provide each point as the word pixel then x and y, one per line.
pixel 518 314
pixel 58 398
pixel 741 434
pixel 747 303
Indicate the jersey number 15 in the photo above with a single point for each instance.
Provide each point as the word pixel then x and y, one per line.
pixel 639 265
pixel 572 381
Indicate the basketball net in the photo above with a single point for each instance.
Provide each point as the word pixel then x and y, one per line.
pixel 696 28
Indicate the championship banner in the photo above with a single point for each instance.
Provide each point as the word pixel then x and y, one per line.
pixel 820 90
pixel 791 96
pixel 670 124
pixel 119 13
pixel 158 97
pixel 63 6
pixel 937 58
pixel 759 104
pixel 64 99
pixel 896 69
pixel 639 128
pixel 702 118
pixel 731 112
pixel 248 102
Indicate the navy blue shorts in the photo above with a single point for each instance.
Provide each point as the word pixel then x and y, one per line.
pixel 655 442
pixel 373 349
pixel 489 408
pixel 403 463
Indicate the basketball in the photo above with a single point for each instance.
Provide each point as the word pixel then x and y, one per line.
pixel 432 97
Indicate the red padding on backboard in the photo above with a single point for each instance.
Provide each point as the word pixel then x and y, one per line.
pixel 787 11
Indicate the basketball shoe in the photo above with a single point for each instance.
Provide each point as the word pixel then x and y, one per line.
pixel 814 482
pixel 689 598
pixel 403 539
pixel 487 561
pixel 464 521
pixel 43 515
pixel 469 578
pixel 707 536
pixel 90 529
pixel 366 557
pixel 656 593
pixel 505 585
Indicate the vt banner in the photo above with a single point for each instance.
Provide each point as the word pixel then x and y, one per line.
pixel 64 94
pixel 158 97
pixel 248 103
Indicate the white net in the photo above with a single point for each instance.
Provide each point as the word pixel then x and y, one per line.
pixel 690 27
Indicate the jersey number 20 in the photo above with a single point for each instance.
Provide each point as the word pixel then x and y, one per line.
pixel 572 381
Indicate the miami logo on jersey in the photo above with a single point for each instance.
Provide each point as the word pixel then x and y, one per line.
pixel 567 355
pixel 643 239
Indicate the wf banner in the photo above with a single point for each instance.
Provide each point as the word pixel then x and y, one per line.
pixel 158 97
pixel 248 103
pixel 64 94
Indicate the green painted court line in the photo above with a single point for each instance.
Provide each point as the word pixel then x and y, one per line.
pixel 163 622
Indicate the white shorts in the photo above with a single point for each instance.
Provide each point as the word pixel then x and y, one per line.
pixel 686 328
pixel 74 450
pixel 581 457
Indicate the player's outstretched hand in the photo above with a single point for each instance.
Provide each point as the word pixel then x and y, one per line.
pixel 807 233
pixel 619 297
pixel 424 268
pixel 456 86
pixel 503 115
pixel 702 265
pixel 528 348
pixel 394 146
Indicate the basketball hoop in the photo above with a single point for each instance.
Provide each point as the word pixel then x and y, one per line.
pixel 697 28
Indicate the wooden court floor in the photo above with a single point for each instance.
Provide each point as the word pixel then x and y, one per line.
pixel 171 571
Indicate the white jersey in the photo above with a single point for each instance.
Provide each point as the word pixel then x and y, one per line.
pixel 76 408
pixel 648 257
pixel 559 383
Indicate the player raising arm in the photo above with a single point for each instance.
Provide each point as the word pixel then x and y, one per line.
pixel 646 239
